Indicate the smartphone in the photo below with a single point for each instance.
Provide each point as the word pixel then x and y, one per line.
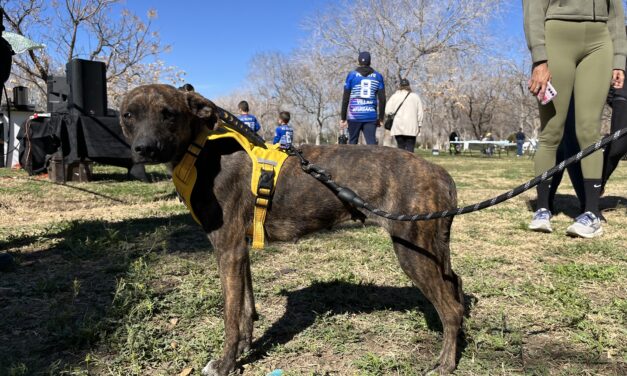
pixel 549 94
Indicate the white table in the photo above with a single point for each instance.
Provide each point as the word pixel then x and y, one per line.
pixel 469 145
pixel 12 126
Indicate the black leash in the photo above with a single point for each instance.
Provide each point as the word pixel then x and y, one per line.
pixel 349 196
pixel 352 198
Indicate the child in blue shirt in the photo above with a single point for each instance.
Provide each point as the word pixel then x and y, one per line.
pixel 284 133
pixel 247 118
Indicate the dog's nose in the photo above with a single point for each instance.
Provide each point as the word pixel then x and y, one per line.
pixel 146 149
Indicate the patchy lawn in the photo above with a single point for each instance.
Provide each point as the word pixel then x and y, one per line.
pixel 114 278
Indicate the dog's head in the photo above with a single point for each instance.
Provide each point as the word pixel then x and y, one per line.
pixel 161 121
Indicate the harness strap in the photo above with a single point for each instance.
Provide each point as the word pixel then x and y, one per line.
pixel 265 189
pixel 266 166
pixel 184 174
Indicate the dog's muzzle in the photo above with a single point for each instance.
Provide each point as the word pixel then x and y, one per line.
pixel 145 151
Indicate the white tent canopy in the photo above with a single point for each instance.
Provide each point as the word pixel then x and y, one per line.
pixel 20 43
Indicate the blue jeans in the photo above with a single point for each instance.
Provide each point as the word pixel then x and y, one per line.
pixel 519 145
pixel 369 128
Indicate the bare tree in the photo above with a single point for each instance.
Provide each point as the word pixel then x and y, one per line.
pixel 303 83
pixel 306 86
pixel 423 40
pixel 494 98
pixel 519 101
pixel 85 29
pixel 440 46
pixel 400 33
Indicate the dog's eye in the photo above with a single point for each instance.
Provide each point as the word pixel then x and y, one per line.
pixel 167 113
pixel 127 115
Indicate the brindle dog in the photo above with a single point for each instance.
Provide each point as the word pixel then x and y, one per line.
pixel 161 122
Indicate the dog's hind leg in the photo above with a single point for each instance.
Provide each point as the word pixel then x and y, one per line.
pixel 232 264
pixel 425 259
pixel 249 313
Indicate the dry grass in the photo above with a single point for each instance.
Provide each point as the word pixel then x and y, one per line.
pixel 113 278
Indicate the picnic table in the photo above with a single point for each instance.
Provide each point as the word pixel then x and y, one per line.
pixel 484 146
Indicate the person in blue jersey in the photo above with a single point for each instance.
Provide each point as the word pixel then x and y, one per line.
pixel 363 103
pixel 284 133
pixel 247 118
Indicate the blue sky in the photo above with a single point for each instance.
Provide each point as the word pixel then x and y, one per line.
pixel 213 41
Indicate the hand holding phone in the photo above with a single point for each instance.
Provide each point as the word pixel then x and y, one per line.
pixel 549 94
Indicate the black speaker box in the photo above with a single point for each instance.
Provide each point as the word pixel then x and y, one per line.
pixel 58 93
pixel 88 86
pixel 20 96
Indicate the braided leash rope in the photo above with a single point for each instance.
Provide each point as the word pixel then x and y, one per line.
pixel 349 196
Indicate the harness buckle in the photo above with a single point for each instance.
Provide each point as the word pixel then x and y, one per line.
pixel 265 187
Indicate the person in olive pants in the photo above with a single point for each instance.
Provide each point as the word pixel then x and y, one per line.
pixel 580 46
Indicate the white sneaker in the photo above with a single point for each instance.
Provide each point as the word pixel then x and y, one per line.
pixel 587 225
pixel 541 221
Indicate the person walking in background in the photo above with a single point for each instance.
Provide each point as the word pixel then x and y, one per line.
pixel 408 119
pixel 246 118
pixel 453 148
pixel 489 150
pixel 284 133
pixel 520 140
pixel 363 102
pixel 580 46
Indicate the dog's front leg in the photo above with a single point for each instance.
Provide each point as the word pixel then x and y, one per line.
pixel 232 266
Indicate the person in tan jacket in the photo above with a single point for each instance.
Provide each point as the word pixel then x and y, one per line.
pixel 408 120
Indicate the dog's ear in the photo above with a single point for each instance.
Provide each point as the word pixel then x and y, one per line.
pixel 202 108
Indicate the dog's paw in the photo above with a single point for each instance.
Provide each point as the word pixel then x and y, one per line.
pixel 211 369
pixel 440 369
pixel 243 347
pixel 434 372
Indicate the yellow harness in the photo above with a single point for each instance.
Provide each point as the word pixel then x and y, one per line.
pixel 267 165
